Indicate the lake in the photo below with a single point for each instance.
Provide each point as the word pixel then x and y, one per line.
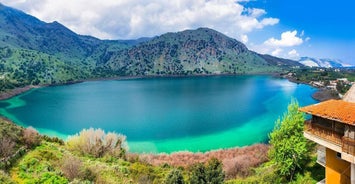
pixel 163 114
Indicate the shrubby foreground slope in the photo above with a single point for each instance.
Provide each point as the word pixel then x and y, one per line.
pixel 96 156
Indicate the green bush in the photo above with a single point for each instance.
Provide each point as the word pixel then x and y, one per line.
pixel 10 130
pixel 4 178
pixel 175 177
pixel 53 139
pixel 211 172
pixel 51 177
pixel 40 165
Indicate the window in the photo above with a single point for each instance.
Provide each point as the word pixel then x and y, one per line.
pixel 338 155
pixel 322 122
pixel 339 128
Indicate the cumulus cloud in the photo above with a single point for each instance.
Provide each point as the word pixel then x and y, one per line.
pixel 277 47
pixel 125 19
pixel 293 54
pixel 288 39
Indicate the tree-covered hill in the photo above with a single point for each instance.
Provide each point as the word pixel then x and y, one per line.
pixel 36 52
pixel 23 31
pixel 201 51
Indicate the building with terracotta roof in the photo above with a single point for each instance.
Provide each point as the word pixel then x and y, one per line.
pixel 332 127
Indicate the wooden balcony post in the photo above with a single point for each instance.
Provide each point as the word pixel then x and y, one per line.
pixel 352 174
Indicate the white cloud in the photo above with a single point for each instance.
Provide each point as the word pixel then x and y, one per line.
pixel 256 12
pixel 269 21
pixel 293 54
pixel 276 52
pixel 288 39
pixel 125 19
pixel 276 47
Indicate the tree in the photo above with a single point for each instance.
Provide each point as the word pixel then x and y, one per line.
pixel 198 174
pixel 342 87
pixel 290 150
pixel 174 177
pixel 214 171
pixel 211 173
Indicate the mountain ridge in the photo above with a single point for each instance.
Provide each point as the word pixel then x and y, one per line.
pixel 323 62
pixel 189 52
pixel 36 52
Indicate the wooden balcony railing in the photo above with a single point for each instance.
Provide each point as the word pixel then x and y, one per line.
pixel 323 132
pixel 348 145
pixel 328 134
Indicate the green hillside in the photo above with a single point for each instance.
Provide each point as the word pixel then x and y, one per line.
pixel 201 51
pixel 34 52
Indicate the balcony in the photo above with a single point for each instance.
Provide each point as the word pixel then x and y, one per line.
pixel 330 138
pixel 326 133
pixel 348 146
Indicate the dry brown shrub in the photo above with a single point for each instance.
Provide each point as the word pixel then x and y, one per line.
pixel 6 147
pixel 71 166
pixel 132 157
pixel 238 166
pixel 97 143
pixel 31 137
pixel 236 161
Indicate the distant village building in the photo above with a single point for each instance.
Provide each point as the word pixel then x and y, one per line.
pixel 317 83
pixel 332 127
pixel 345 80
pixel 332 85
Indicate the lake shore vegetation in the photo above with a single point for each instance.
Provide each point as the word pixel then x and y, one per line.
pixel 95 156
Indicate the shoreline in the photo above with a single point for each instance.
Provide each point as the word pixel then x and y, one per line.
pixel 159 158
pixel 20 90
pixel 322 94
pixel 16 91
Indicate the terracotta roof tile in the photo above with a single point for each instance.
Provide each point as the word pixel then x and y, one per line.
pixel 337 110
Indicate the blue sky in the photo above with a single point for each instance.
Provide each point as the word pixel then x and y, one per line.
pixel 330 25
pixel 284 28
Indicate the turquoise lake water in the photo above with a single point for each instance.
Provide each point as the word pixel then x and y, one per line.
pixel 163 114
